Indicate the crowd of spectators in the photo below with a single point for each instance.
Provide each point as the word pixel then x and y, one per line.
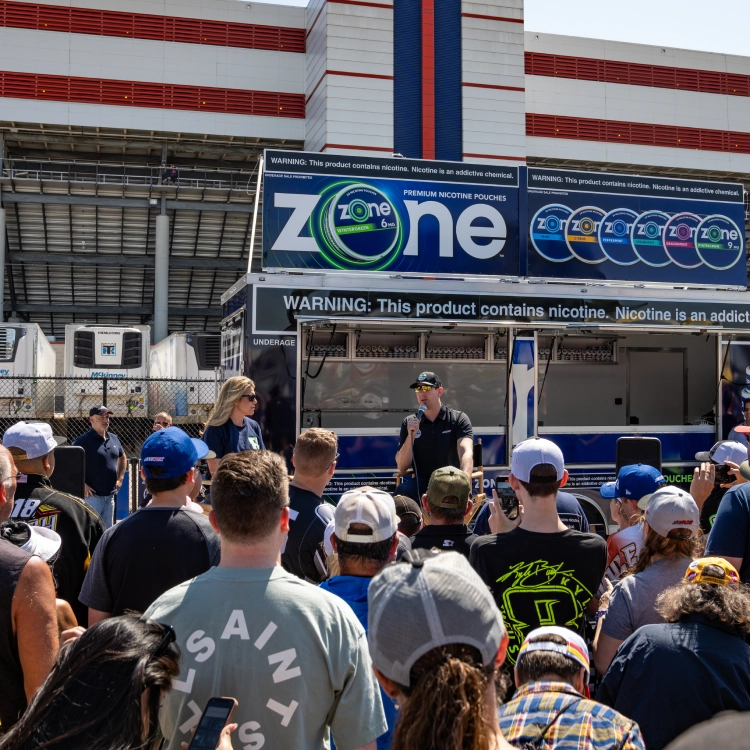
pixel 383 621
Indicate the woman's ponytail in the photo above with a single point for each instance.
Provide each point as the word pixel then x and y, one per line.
pixel 446 707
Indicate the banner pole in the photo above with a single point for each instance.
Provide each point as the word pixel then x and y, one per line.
pixel 255 217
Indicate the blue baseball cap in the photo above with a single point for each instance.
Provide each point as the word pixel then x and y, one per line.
pixel 633 482
pixel 173 451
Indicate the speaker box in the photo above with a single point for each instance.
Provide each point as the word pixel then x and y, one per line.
pixel 70 470
pixel 638 450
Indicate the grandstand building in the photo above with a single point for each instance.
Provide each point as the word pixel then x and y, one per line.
pixel 95 95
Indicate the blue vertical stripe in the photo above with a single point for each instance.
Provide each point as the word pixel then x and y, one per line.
pixel 448 102
pixel 407 77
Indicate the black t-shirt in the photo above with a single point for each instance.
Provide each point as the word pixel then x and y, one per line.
pixel 303 554
pixel 711 507
pixel 569 511
pixel 540 579
pixel 454 537
pixel 101 460
pixel 78 525
pixel 436 443
pixel 147 554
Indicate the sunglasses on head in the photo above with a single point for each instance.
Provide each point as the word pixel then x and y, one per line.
pixel 423 388
pixel 251 397
pixel 169 637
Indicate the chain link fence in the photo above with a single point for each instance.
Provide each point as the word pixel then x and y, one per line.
pixel 65 403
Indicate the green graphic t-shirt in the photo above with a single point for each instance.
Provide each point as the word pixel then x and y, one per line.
pixel 295 658
pixel 540 579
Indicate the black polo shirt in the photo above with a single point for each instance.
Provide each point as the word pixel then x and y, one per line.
pixel 454 537
pixel 436 443
pixel 101 460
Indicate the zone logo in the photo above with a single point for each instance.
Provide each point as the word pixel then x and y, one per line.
pixel 588 227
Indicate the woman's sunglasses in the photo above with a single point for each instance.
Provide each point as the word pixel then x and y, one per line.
pixel 251 397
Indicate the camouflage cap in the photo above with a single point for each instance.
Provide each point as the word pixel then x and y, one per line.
pixel 449 487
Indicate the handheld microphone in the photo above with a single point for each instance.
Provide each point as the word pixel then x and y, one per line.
pixel 420 412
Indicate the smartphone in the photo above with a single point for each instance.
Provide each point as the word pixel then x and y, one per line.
pixel 508 502
pixel 723 476
pixel 217 714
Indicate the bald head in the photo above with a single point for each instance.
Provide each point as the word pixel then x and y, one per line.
pixel 161 421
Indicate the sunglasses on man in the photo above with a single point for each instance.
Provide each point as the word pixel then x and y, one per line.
pixel 423 388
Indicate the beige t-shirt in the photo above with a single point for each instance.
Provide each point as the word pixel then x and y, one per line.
pixel 294 656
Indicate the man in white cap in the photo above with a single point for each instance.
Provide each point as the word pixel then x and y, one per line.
pixel 32 446
pixel 551 702
pixel 365 537
pixel 714 477
pixel 540 572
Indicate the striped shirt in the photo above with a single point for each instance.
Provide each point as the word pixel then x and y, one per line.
pixel 586 726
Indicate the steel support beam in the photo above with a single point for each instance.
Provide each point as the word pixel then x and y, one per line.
pixel 201 312
pixel 125 261
pixel 2 235
pixel 2 255
pixel 94 200
pixel 161 279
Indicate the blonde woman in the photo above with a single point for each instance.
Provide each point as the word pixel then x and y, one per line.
pixel 229 428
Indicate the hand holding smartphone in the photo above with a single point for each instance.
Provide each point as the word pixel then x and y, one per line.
pixel 217 714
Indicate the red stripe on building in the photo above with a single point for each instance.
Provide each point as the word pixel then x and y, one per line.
pixel 356 148
pixel 636 74
pixel 155 95
pixel 428 79
pixel 362 2
pixel 492 86
pixel 345 73
pixel 494 156
pixel 504 19
pixel 638 133
pixel 315 20
pixel 146 26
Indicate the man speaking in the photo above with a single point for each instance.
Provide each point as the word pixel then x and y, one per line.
pixel 437 436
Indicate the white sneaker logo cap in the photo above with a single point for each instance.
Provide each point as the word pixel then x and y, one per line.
pixel 33 438
pixel 531 453
pixel 373 508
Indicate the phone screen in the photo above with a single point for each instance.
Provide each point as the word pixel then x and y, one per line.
pixel 508 502
pixel 213 720
pixel 723 476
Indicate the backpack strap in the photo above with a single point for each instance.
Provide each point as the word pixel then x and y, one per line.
pixel 533 744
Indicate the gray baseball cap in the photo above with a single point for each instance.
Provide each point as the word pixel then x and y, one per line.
pixel 426 601
pixel 670 509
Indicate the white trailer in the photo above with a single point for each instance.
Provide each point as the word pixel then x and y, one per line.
pixel 114 358
pixel 25 355
pixel 187 363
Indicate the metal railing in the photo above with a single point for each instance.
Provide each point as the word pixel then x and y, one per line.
pixel 65 404
pixel 187 177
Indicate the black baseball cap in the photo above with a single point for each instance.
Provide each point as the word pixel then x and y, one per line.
pixel 407 506
pixel 100 410
pixel 427 378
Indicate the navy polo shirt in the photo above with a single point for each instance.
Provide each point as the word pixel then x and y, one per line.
pixel 730 534
pixel 101 460
pixel 228 438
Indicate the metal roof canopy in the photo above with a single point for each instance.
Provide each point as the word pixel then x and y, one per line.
pixel 81 206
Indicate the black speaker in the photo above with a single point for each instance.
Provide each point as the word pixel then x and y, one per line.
pixel 638 450
pixel 70 470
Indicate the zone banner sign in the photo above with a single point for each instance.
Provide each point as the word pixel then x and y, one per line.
pixel 621 227
pixel 355 213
